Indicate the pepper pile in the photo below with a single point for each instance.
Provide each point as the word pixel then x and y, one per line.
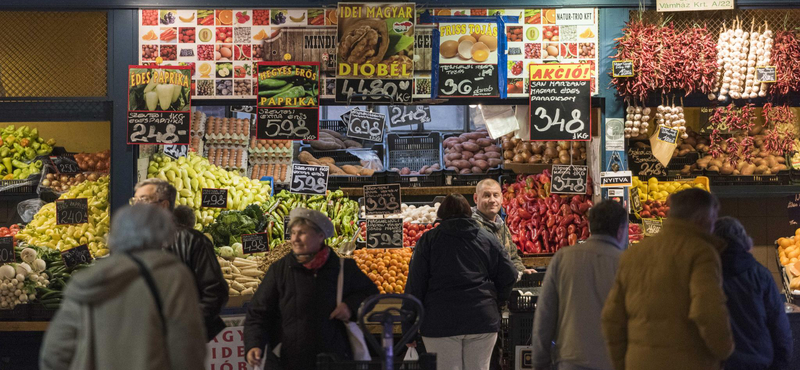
pixel 780 132
pixel 18 149
pixel 786 53
pixel 541 222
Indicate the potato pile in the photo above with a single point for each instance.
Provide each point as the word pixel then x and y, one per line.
pixel 425 170
pixel 332 140
pixel 762 161
pixel 471 152
pixel 346 170
pixel 694 143
pixel 541 152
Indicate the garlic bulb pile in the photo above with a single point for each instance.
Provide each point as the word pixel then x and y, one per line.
pixel 733 46
pixel 636 120
pixel 763 55
pixel 672 117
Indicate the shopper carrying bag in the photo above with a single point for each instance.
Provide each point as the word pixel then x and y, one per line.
pixel 354 333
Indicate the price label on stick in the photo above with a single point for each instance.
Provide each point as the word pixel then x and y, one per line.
pixel 569 179
pixel 652 226
pixel 7 249
pixel 308 179
pixel 287 233
pixel 667 134
pixel 79 255
pixel 385 233
pixel 255 243
pixel 176 151
pixel 468 80
pixel 406 115
pixel 287 124
pixel 382 199
pixel 366 125
pixel 72 211
pixel 65 165
pixel 375 90
pixel 636 203
pixel 622 68
pixel 560 102
pixel 213 198
pixel 766 74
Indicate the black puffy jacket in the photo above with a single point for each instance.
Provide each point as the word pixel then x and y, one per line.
pixel 197 252
pixel 460 272
pixel 293 304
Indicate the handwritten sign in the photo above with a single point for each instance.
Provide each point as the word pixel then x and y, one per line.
pixel 308 179
pixel 72 211
pixel 65 165
pixel 7 249
pixel 468 80
pixel 382 199
pixel 374 90
pixel 616 179
pixel 406 115
pixel 667 134
pixel 793 208
pixel 176 151
pixel 213 198
pixel 366 125
pixel 636 202
pixel 622 68
pixel 255 243
pixel 385 233
pixel 652 226
pixel 159 104
pixel 287 124
pixel 569 179
pixel 76 256
pixel 768 74
pixel 560 102
pixel 158 128
pixel 643 164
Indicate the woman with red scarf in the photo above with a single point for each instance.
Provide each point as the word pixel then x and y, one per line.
pixel 294 309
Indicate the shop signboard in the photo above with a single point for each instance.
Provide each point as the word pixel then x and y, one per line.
pixel 636 201
pixel 667 134
pixel 652 226
pixel 407 115
pixel 643 164
pixel 65 165
pixel 7 249
pixel 622 68
pixel 385 233
pixel 226 350
pixel 618 179
pixel 176 151
pixel 766 74
pixel 692 5
pixel 308 179
pixel 468 60
pixel 560 102
pixel 288 101
pixel 159 105
pixel 382 200
pixel 72 211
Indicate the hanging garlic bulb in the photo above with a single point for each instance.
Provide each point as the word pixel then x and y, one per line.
pixel 750 74
pixel 722 47
pixel 763 56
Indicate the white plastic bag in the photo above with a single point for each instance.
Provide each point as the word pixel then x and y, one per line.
pixel 500 120
pixel 411 355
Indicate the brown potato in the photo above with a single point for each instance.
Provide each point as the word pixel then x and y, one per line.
pixel 470 146
pixel 467 155
pixel 461 164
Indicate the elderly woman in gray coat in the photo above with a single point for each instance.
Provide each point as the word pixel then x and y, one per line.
pixel 136 309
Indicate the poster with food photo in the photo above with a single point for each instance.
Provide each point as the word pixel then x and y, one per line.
pixel 468 43
pixel 376 40
pixel 159 104
pixel 288 101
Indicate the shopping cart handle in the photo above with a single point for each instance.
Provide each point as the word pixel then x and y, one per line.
pixel 391 316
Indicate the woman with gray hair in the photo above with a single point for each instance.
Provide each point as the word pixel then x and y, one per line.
pixel 136 309
pixel 758 319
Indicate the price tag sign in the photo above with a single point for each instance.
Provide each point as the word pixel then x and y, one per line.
pixel 468 80
pixel 159 105
pixel 569 179
pixel 793 209
pixel 213 198
pixel 308 179
pixel 288 101
pixel 636 203
pixel 705 115
pixel 76 256
pixel 255 243
pixel 7 249
pixel 287 124
pixel 366 125
pixel 382 200
pixel 767 74
pixel 406 115
pixel 243 109
pixel 287 234
pixel 385 233
pixel 651 226
pixel 622 68
pixel 374 91
pixel 644 164
pixel 72 211
pixel 667 134
pixel 65 165
pixel 617 179
pixel 560 102
pixel 176 151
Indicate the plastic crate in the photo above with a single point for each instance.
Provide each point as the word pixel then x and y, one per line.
pixel 452 178
pixel 343 156
pixel 335 125
pixel 781 178
pixel 677 163
pixel 336 182
pixel 27 186
pixel 415 181
pixel 520 331
pixel 413 151
pixel 427 361
pixel 530 280
pixel 39 313
pixel 21 312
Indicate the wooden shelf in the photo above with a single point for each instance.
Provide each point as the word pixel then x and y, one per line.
pixel 436 190
pixel 23 325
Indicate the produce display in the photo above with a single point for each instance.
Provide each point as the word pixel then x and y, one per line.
pixel 227 131
pixel 471 152
pixel 636 120
pixel 331 140
pixel 411 232
pixel 279 172
pixel 788 255
pixel 345 170
pixel 635 233
pixel 19 148
pixel 541 222
pixel 410 213
pixel 43 231
pixel 545 152
pixel 19 281
pixel 270 158
pixel 786 53
pixel 654 190
pixel 387 268
pixel 243 275
pixel 228 157
pixel 62 183
pixel 227 230
pixel 94 162
pixel 739 54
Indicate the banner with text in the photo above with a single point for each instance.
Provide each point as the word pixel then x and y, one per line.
pixel 159 104
pixel 288 101
pixel 560 102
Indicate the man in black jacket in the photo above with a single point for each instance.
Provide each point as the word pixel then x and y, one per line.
pixel 196 251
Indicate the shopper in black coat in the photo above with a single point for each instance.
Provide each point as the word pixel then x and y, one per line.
pixel 460 273
pixel 296 303
pixel 758 318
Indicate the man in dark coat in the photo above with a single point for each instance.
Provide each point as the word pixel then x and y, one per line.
pixel 758 319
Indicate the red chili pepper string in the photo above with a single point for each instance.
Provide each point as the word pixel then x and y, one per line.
pixel 785 56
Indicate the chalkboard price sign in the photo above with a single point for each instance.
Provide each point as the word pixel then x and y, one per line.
pixel 7 249
pixel 622 68
pixel 65 165
pixel 176 151
pixel 569 179
pixel 366 125
pixel 652 226
pixel 643 163
pixel 406 115
pixel 76 256
pixel 382 199
pixel 385 233
pixel 376 91
pixel 636 202
pixel 213 198
pixel 766 74
pixel 468 80
pixel 308 179
pixel 667 134
pixel 72 211
pixel 793 208
pixel 159 127
pixel 560 101
pixel 255 243
pixel 287 124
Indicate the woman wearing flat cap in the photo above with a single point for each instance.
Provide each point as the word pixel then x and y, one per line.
pixel 295 306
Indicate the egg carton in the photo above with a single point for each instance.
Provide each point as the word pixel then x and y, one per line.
pixel 228 157
pixel 227 131
pixel 281 173
pixel 269 159
pixel 198 123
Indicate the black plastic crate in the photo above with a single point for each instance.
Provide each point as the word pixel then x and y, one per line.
pixel 520 331
pixel 530 280
pixel 452 178
pixel 677 163
pixel 336 125
pixel 414 151
pixel 21 312
pixel 415 181
pixel 781 178
pixel 519 302
pixel 345 156
pixel 336 182
pixel 427 361
pixel 27 186
pixel 39 313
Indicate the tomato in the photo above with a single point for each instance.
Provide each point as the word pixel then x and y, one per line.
pixel 14 227
pixel 4 231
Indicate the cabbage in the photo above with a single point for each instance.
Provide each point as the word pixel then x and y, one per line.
pixel 226 252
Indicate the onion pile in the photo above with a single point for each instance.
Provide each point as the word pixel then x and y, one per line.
pixel 62 183
pixel 94 162
pixel 636 120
